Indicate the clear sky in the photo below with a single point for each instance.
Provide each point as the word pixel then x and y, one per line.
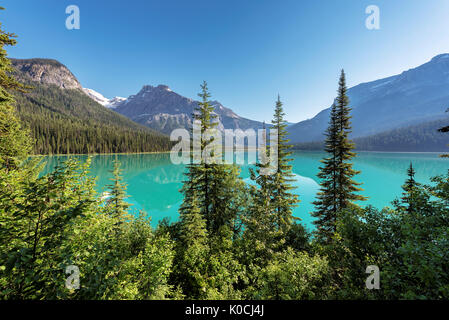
pixel 247 50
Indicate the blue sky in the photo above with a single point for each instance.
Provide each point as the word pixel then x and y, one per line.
pixel 247 50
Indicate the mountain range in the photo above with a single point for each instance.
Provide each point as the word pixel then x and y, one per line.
pixel 415 96
pixel 160 108
pixel 387 114
pixel 63 119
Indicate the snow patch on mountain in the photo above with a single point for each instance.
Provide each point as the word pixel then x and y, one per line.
pixel 98 97
pixel 115 102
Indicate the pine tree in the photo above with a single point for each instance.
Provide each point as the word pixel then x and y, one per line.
pixel 191 266
pixel 199 175
pixel 283 199
pixel 14 139
pixel 338 189
pixel 269 216
pixel 117 206
pixel 193 225
pixel 213 200
pixel 217 186
pixel 261 212
pixel 410 190
pixel 261 235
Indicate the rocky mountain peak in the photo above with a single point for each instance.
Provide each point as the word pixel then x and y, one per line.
pixel 46 71
pixel 152 89
pixel 162 109
pixel 163 87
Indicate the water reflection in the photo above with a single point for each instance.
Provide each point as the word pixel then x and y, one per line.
pixel 154 182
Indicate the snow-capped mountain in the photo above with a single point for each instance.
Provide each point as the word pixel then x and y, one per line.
pixel 415 96
pixel 164 110
pixel 114 102
pixel 98 97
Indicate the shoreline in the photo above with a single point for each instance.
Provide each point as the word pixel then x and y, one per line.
pixel 95 154
pixel 163 152
pixel 366 151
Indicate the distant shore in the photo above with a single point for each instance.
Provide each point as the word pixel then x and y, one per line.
pixel 95 154
pixel 239 150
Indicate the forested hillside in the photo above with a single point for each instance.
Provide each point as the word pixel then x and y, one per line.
pixel 423 137
pixel 66 121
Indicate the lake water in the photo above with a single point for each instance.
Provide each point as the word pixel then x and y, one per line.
pixel 154 182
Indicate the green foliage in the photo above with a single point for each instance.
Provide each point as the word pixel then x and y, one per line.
pixel 131 264
pixel 14 140
pixel 409 197
pixel 409 246
pixel 269 218
pixel 424 228
pixel 207 268
pixel 56 221
pixel 283 200
pixel 36 221
pixel 116 203
pixel 293 275
pixel 214 198
pixel 193 225
pixel 363 237
pixel 218 187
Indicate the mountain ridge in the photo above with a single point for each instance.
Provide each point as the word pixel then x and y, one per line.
pixel 63 119
pixel 416 95
pixel 45 71
pixel 164 110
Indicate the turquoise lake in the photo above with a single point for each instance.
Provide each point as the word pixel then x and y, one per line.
pixel 154 182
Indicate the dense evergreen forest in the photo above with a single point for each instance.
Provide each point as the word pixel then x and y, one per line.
pixel 66 121
pixel 422 137
pixel 233 240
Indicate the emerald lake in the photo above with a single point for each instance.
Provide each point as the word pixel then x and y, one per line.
pixel 154 182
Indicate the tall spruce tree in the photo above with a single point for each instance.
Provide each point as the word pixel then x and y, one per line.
pixel 15 142
pixel 338 189
pixel 199 174
pixel 213 195
pixel 217 186
pixel 260 235
pixel 270 217
pixel 193 225
pixel 410 190
pixel 283 199
pixel 191 264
